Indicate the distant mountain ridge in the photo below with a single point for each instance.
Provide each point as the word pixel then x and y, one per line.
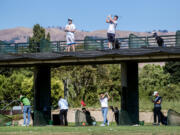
pixel 21 34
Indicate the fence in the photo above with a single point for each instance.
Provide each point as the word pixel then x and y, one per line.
pixel 89 44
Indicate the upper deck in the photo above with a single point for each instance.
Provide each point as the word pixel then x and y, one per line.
pixel 90 51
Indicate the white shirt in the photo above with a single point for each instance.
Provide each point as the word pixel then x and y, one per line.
pixel 63 104
pixel 104 102
pixel 70 27
pixel 112 27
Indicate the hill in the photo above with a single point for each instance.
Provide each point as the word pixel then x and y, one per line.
pixel 21 34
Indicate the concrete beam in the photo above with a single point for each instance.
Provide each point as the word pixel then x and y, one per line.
pixel 96 60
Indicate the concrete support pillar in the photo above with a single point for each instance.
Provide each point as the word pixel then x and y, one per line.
pixel 130 94
pixel 42 95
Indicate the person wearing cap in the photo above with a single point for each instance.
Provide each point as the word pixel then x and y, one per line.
pixel 111 30
pixel 104 97
pixel 70 30
pixel 159 40
pixel 26 109
pixel 63 105
pixel 157 108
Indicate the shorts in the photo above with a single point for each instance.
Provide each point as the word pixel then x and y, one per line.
pixel 70 39
pixel 111 37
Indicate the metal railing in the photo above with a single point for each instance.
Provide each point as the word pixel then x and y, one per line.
pixel 132 41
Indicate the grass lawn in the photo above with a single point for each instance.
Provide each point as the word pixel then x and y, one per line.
pixel 93 130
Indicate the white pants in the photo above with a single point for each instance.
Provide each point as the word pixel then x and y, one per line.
pixel 70 39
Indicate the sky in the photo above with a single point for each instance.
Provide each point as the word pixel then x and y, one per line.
pixel 90 15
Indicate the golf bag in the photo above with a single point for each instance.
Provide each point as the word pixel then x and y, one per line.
pixel 82 118
pixel 116 44
pixel 163 119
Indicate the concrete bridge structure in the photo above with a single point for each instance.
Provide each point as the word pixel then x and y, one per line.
pixel 53 54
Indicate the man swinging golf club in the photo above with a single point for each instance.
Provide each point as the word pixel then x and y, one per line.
pixel 26 109
pixel 111 30
pixel 104 97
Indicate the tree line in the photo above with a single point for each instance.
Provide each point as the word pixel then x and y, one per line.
pixel 85 82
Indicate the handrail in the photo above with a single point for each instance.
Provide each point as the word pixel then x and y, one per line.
pixel 132 41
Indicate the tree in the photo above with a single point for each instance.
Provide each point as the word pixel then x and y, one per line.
pixel 19 82
pixel 48 38
pixel 38 37
pixel 173 68
pixel 152 78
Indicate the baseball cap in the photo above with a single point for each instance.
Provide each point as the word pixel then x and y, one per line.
pixel 155 92
pixel 69 19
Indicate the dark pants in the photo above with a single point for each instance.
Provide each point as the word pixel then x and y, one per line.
pixel 117 117
pixel 157 113
pixel 63 117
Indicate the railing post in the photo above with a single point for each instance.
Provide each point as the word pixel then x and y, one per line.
pixel 147 42
pixel 102 44
pixel 178 38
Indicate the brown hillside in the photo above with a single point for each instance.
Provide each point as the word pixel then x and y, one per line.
pixel 21 34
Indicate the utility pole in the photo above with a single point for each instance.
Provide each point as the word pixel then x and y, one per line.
pixel 65 81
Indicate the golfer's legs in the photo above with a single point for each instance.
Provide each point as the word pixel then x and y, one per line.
pixel 72 42
pixel 102 110
pixel 29 114
pixel 24 114
pixel 155 115
pixel 65 117
pixel 159 115
pixel 68 42
pixel 61 117
pixel 105 115
pixel 105 111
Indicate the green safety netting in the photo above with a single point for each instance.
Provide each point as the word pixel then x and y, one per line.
pixel 137 42
pixel 178 38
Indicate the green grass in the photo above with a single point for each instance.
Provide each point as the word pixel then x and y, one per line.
pixel 97 130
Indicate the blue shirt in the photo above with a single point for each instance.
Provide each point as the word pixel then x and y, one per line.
pixel 156 100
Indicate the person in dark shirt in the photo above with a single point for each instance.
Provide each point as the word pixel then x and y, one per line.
pixel 159 40
pixel 157 108
pixel 88 116
pixel 116 114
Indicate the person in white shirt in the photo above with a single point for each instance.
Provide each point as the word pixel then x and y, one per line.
pixel 111 30
pixel 63 105
pixel 70 30
pixel 104 107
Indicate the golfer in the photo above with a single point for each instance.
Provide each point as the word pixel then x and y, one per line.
pixel 70 29
pixel 63 105
pixel 104 97
pixel 157 108
pixel 159 40
pixel 111 30
pixel 26 109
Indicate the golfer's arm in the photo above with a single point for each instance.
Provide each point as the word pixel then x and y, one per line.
pixel 73 30
pixel 159 102
pixel 22 106
pixel 66 29
pixel 108 96
pixel 107 21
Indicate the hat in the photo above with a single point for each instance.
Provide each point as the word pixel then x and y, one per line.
pixel 155 92
pixel 69 19
pixel 154 34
